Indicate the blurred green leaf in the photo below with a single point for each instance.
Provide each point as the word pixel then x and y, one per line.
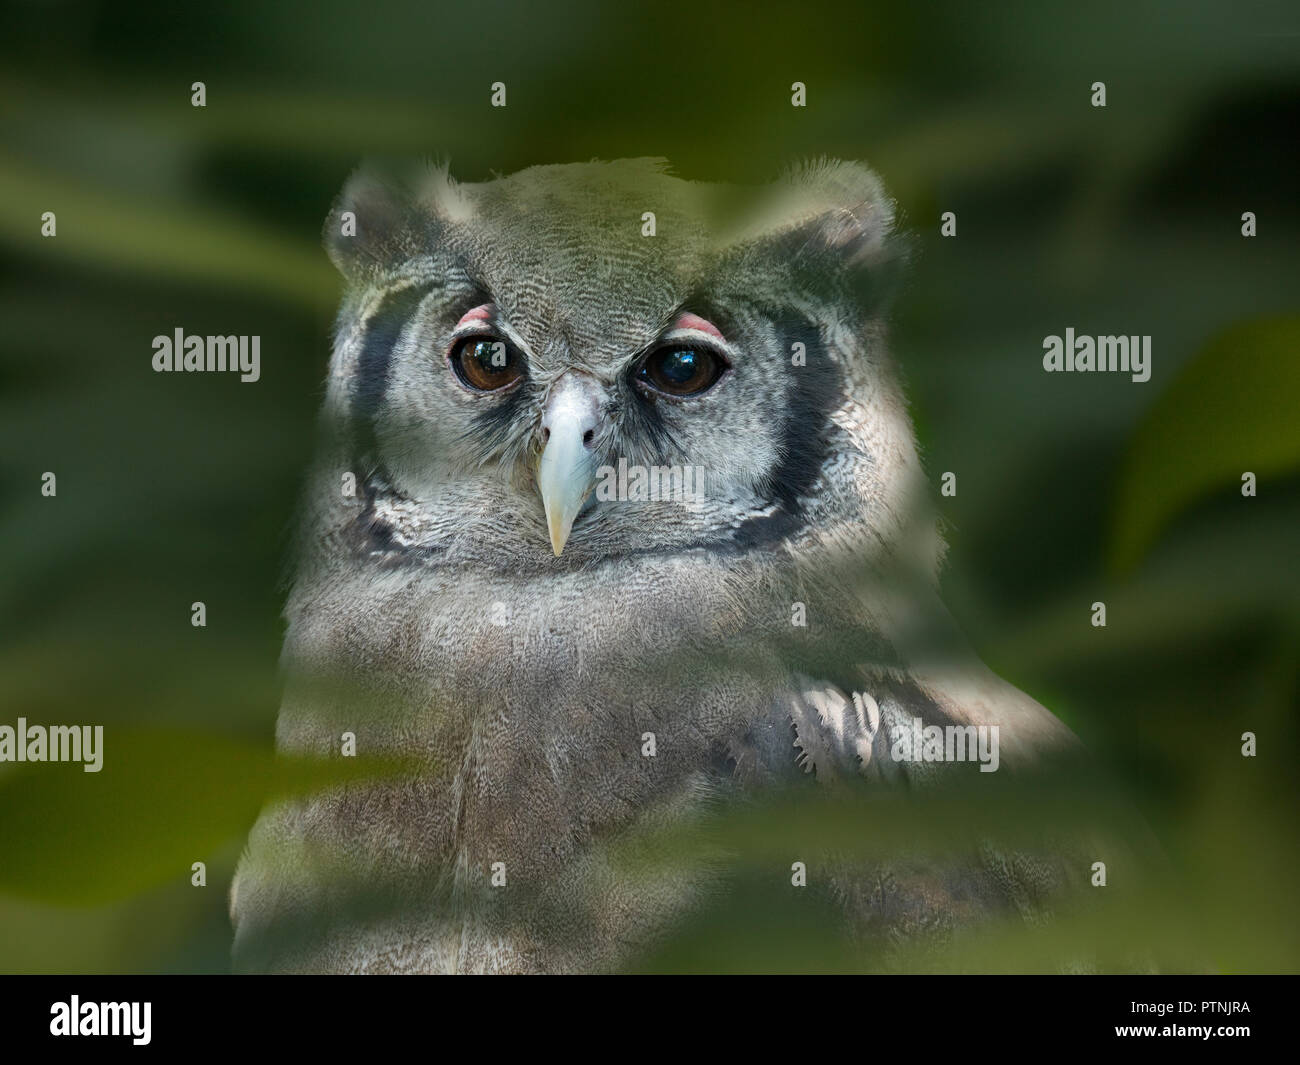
pixel 201 246
pixel 162 800
pixel 1234 408
pixel 854 820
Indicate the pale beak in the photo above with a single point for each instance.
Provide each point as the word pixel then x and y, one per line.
pixel 567 469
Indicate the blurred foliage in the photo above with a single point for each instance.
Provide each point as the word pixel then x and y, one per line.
pixel 162 796
pixel 171 490
pixel 1236 408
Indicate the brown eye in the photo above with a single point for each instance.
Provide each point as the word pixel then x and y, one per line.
pixel 486 363
pixel 681 371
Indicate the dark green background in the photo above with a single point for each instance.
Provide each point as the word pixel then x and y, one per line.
pixel 1072 489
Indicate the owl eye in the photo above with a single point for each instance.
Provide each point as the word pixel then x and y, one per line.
pixel 681 370
pixel 486 363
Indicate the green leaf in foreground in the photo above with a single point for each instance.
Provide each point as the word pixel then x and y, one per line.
pixel 1234 409
pixel 163 800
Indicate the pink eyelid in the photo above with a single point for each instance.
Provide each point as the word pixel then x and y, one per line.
pixel 693 321
pixel 686 320
pixel 481 313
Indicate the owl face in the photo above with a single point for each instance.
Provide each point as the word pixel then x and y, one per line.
pixel 581 362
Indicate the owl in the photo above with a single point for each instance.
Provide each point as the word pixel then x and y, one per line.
pixel 617 518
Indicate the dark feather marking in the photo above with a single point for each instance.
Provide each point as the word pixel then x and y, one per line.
pixel 805 443
pixel 383 330
pixel 648 439
pixel 491 433
pixel 369 534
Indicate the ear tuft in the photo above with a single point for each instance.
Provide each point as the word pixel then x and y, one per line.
pixel 841 203
pixel 823 220
pixel 382 218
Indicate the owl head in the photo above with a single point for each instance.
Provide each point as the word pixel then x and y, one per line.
pixel 581 362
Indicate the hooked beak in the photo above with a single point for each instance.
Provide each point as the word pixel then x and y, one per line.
pixel 566 471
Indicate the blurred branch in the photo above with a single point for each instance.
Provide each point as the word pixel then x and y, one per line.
pixel 191 244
